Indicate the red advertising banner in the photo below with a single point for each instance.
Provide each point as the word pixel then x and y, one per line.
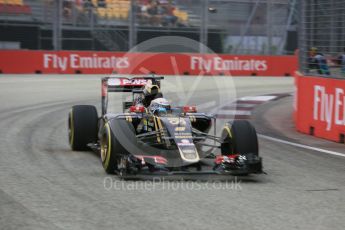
pixel 320 106
pixel 88 62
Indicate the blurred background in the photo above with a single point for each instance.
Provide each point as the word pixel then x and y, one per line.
pixel 255 27
pixel 225 26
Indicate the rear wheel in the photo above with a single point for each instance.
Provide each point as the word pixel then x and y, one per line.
pixel 239 137
pixel 82 126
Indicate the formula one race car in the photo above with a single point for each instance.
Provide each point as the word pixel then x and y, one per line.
pixel 152 137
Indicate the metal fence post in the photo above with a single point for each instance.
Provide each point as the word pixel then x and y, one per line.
pixel 269 26
pixel 204 26
pixel 57 24
pixel 301 37
pixel 132 26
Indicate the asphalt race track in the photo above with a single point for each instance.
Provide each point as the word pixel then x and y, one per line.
pixel 44 185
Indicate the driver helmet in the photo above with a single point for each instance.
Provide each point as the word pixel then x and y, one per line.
pixel 160 106
pixel 151 92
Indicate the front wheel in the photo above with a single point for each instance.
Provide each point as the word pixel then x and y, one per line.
pixel 117 141
pixel 108 155
pixel 239 137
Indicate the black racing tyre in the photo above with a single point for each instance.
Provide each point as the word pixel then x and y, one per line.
pixel 239 137
pixel 82 126
pixel 117 139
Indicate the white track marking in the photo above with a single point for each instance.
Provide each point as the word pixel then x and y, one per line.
pixel 257 98
pixel 234 112
pixel 243 105
pixel 302 146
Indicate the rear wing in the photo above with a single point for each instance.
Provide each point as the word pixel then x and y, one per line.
pixel 124 84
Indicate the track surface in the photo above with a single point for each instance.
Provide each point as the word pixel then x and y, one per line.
pixel 44 185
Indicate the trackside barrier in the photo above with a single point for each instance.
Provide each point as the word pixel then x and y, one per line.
pixel 88 62
pixel 319 106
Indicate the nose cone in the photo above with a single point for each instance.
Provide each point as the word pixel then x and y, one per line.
pixel 189 153
pixel 180 129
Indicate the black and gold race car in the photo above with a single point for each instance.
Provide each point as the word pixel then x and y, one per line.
pixel 152 137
